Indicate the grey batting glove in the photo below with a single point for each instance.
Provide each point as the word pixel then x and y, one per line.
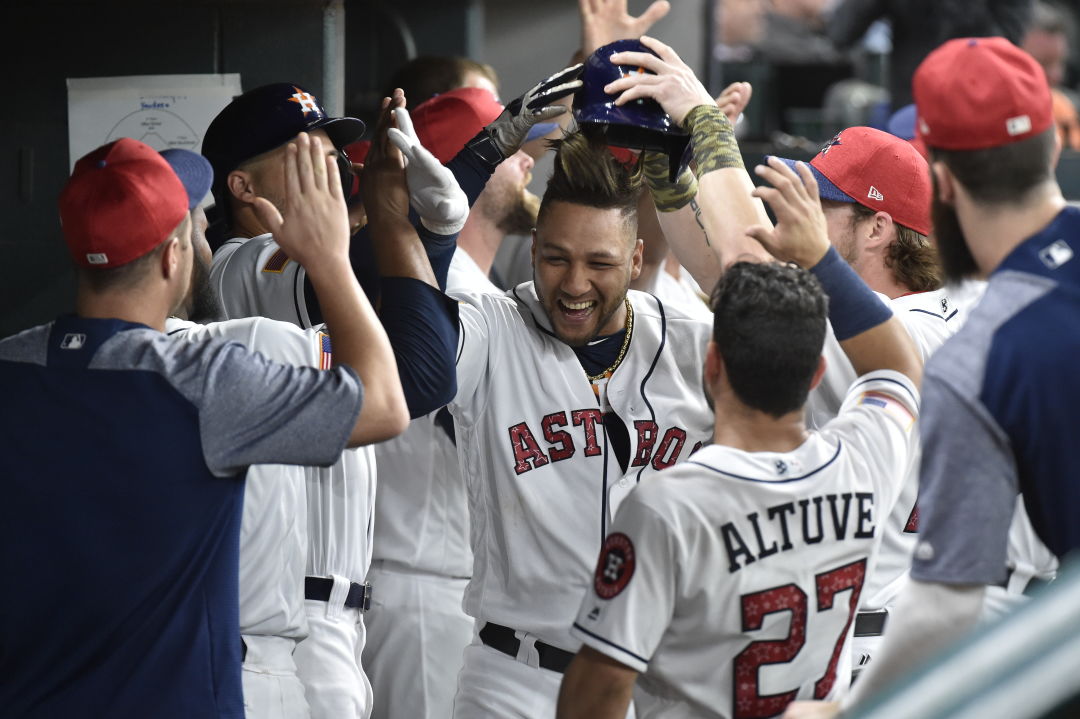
pixel 510 129
pixel 433 191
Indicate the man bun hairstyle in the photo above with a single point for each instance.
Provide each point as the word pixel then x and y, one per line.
pixel 769 323
pixel 587 173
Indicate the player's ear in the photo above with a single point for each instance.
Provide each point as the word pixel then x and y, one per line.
pixel 882 231
pixel 241 185
pixel 714 364
pixel 637 258
pixel 819 373
pixel 943 183
pixel 532 250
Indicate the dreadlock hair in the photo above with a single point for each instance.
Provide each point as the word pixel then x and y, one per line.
pixel 587 173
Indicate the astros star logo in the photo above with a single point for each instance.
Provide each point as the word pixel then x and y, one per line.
pixel 830 143
pixel 305 100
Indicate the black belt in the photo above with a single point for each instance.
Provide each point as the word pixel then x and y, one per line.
pixel 1034 584
pixel 871 624
pixel 319 588
pixel 502 639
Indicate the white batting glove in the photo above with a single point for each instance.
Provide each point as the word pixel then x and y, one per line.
pixel 433 191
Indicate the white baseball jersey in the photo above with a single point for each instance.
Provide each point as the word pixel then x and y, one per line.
pixel 421 511
pixel 731 581
pixel 682 293
pixel 930 319
pixel 273 529
pixel 254 277
pixel 541 471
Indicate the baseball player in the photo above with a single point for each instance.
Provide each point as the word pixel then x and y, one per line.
pixel 339 500
pixel 999 390
pixel 605 389
pixel 273 529
pixel 723 583
pixel 421 560
pixel 148 549
pixel 875 193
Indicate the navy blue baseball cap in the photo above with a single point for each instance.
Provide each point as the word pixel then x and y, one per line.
pixel 194 172
pixel 265 118
pixel 639 124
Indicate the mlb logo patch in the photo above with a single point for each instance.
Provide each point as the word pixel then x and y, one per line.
pixel 1018 125
pixel 97 258
pixel 1056 254
pixel 73 341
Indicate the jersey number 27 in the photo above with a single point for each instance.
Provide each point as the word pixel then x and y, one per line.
pixel 747 700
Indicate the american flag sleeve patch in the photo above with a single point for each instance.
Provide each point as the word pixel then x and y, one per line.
pixel 326 355
pixel 897 409
pixel 277 262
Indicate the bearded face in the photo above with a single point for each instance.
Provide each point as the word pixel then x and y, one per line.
pixel 956 259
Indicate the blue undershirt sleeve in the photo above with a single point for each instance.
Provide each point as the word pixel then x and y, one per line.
pixel 422 324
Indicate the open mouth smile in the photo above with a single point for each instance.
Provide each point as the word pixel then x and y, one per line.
pixel 576 311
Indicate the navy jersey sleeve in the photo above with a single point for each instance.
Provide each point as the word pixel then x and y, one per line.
pixel 422 324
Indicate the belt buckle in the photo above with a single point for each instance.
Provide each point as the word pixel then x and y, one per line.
pixel 365 596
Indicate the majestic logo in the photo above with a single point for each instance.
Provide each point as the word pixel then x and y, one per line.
pixel 307 101
pixel 73 341
pixel 781 466
pixel 831 143
pixel 616 566
pixel 594 614
pixel 944 306
pixel 875 194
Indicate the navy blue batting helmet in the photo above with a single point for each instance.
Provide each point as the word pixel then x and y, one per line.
pixel 639 124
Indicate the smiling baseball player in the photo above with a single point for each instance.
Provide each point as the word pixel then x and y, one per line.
pixel 730 583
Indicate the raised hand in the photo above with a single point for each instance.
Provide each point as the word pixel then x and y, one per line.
pixel 433 190
pixel 734 99
pixel 605 21
pixel 673 85
pixel 314 230
pixel 510 129
pixel 801 234
pixel 385 189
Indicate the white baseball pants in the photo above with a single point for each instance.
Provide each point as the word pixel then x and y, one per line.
pixel 271 688
pixel 417 632
pixel 328 662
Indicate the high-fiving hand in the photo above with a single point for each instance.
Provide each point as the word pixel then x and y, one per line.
pixel 801 234
pixel 314 230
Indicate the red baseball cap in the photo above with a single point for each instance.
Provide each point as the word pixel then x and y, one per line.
pixel 876 170
pixel 447 121
pixel 978 93
pixel 121 201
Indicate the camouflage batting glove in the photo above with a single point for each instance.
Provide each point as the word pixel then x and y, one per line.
pixel 510 129
pixel 713 139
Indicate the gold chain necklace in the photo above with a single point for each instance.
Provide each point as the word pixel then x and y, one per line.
pixel 622 350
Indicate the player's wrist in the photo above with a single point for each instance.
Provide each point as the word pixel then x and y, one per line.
pixel 713 139
pixel 668 196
